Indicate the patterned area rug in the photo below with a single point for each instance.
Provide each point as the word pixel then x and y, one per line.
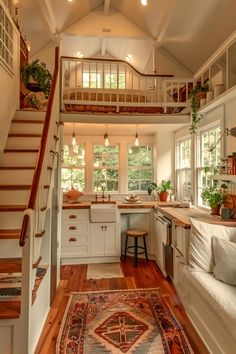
pixel 127 321
pixel 104 270
pixel 10 284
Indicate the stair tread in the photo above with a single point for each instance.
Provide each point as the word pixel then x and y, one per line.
pixel 9 309
pixel 4 187
pixel 19 207
pixel 24 135
pixel 10 265
pixel 14 186
pixel 21 150
pixel 17 168
pixel 9 233
pixel 21 168
pixel 27 121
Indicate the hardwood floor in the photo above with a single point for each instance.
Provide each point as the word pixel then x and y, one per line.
pixel 146 275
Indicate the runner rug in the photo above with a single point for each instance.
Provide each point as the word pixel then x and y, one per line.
pixel 127 321
pixel 104 270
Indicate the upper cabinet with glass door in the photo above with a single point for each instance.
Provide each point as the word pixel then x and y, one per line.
pixel 219 72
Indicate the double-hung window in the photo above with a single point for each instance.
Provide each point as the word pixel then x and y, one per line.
pixel 6 39
pixel 73 168
pixel 207 157
pixel 106 168
pixel 139 168
pixel 183 170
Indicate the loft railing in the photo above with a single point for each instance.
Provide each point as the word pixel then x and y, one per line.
pixel 95 84
pixel 38 188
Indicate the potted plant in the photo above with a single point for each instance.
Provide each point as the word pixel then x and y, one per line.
pixel 163 189
pixel 196 94
pixel 214 197
pixel 41 76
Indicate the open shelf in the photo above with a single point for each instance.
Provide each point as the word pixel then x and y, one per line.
pixel 224 177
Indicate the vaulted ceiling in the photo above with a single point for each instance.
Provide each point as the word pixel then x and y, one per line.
pixel 188 30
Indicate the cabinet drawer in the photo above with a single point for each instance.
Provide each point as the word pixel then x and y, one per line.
pixel 75 215
pixel 75 228
pixel 74 240
pixel 75 252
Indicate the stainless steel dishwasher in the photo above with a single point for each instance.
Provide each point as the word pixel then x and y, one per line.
pixel 163 249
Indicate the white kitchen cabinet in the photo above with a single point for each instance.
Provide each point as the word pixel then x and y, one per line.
pixel 104 239
pixel 180 245
pixel 178 263
pixel 181 240
pixel 75 233
pixel 158 245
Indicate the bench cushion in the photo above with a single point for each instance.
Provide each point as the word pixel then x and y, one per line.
pixel 200 251
pixel 220 296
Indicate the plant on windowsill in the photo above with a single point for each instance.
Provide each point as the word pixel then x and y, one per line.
pixel 162 190
pixel 196 94
pixel 214 197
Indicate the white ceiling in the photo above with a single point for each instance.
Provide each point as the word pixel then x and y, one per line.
pixel 189 30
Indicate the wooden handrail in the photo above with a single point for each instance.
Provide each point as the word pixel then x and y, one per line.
pixel 119 61
pixel 39 165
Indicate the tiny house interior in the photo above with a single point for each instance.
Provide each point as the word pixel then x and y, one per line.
pixel 141 100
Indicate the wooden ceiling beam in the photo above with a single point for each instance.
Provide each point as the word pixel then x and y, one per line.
pixel 106 7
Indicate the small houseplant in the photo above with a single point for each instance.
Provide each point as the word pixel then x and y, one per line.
pixel 195 95
pixel 42 77
pixel 163 189
pixel 214 197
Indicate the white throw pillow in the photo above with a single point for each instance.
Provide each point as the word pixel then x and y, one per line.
pixel 224 253
pixel 200 251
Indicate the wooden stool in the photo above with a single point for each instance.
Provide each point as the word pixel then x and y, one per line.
pixel 136 233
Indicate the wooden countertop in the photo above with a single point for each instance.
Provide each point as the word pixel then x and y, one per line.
pixel 180 216
pixel 121 205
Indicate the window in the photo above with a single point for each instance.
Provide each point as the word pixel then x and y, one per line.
pixel 73 168
pixel 106 168
pixel 139 168
pixel 111 81
pixel 6 40
pixel 91 80
pixel 207 158
pixel 183 171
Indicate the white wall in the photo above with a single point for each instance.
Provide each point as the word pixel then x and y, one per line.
pixel 165 64
pixel 9 83
pixel 47 56
pixel 164 154
pixel 230 122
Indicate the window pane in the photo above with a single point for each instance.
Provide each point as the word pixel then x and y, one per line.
pixel 106 171
pixel 209 157
pixel 133 186
pixel 73 168
pixel 139 168
pixel 183 171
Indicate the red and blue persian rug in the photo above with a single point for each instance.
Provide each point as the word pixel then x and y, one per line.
pixel 128 321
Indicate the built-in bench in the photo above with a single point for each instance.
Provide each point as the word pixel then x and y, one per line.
pixel 210 303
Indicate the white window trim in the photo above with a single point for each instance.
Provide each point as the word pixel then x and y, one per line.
pixel 177 168
pixel 123 142
pixel 127 167
pixel 198 168
pixel 118 168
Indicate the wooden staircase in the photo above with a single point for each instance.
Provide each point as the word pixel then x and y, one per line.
pixel 16 174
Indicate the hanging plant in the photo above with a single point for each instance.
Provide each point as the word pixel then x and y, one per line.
pixel 195 103
pixel 39 72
